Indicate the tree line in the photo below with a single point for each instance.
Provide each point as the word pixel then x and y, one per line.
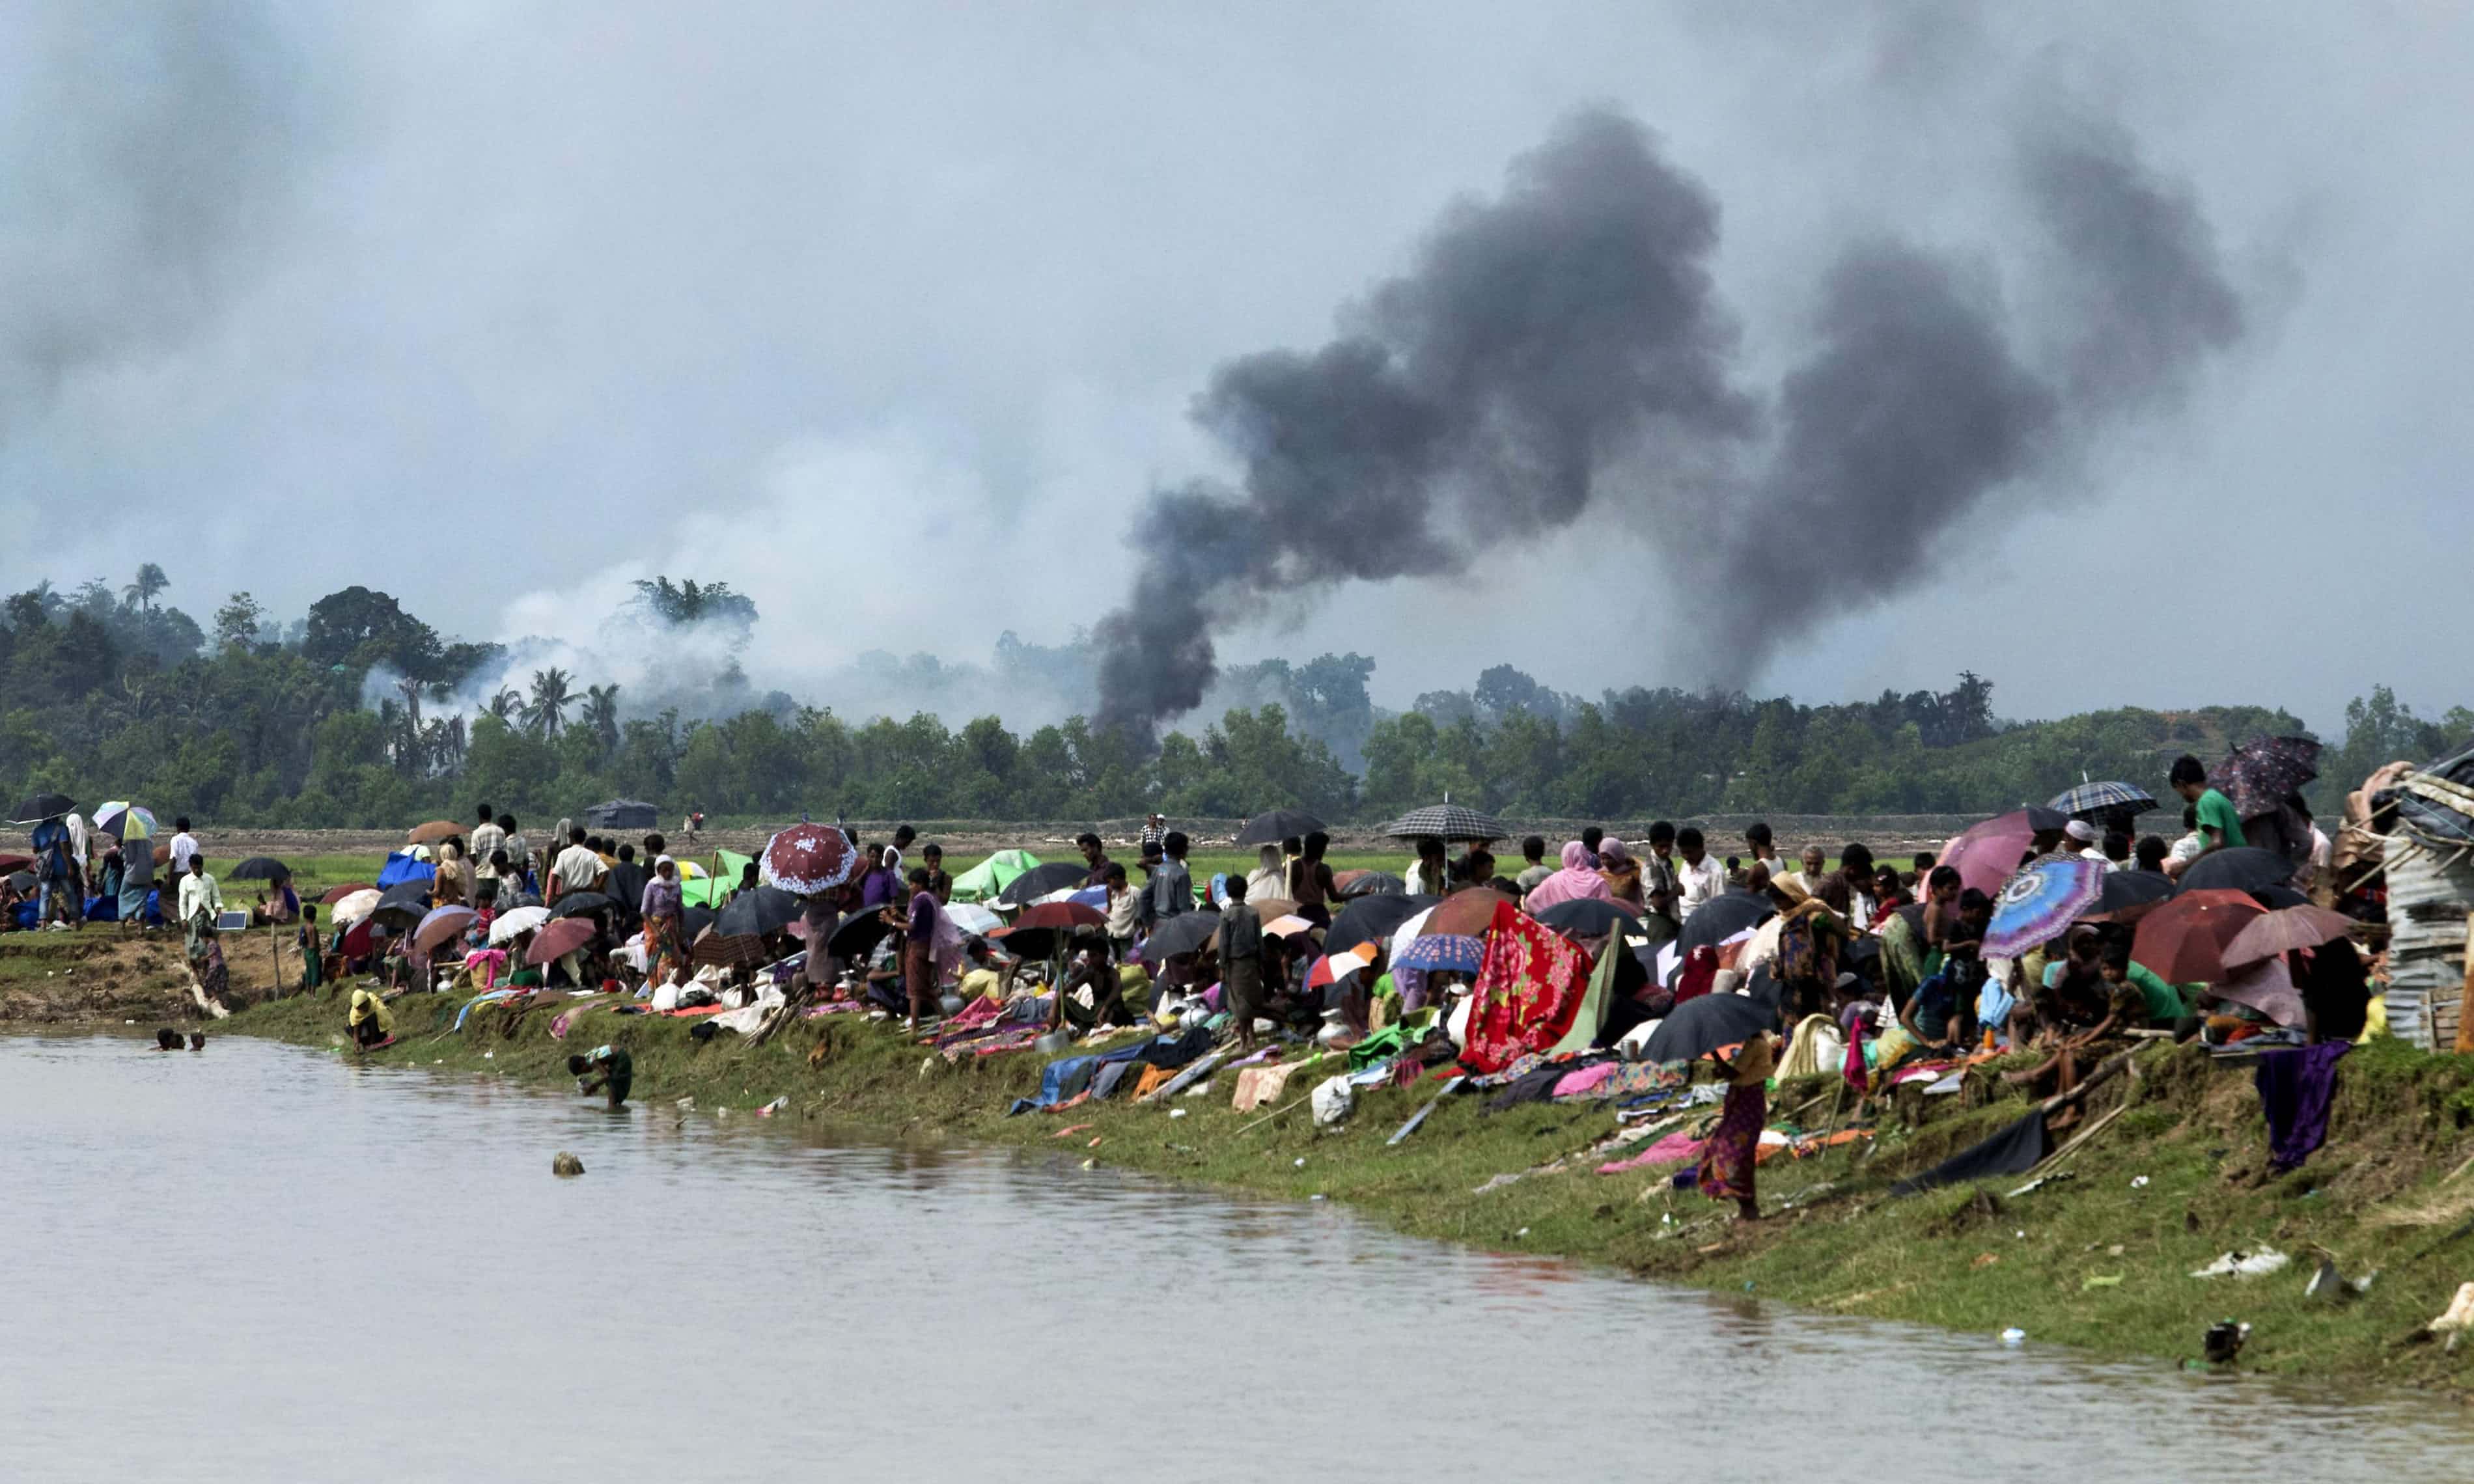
pixel 106 692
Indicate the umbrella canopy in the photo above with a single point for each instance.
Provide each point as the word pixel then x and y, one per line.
pixel 1067 915
pixel 2090 799
pixel 695 919
pixel 857 934
pixel 1585 916
pixel 403 914
pixel 1464 913
pixel 441 927
pixel 1371 919
pixel 2267 987
pixel 2245 867
pixel 1706 1023
pixel 406 893
pixel 1332 967
pixel 507 926
pixel 1278 825
pixel 2184 940
pixel 2276 898
pixel 1984 854
pixel 1447 822
pixel 1185 933
pixel 353 906
pixel 2128 895
pixel 261 868
pixel 37 807
pixel 2274 934
pixel 2039 905
pixel 125 822
pixel 10 865
pixel 1267 907
pixel 336 894
pixel 433 831
pixel 576 905
pixel 1038 881
pixel 1350 885
pixel 971 917
pixel 808 859
pixel 1288 925
pixel 729 950
pixel 990 876
pixel 2260 773
pixel 1456 951
pixel 764 910
pixel 620 814
pixel 558 938
pixel 1721 918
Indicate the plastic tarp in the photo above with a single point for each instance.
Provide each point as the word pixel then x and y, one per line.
pixel 992 876
pixel 714 889
pixel 400 868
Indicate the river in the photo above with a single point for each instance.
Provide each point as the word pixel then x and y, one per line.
pixel 256 1262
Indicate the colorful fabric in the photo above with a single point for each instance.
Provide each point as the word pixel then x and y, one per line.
pixel 2295 1090
pixel 1528 991
pixel 1673 1149
pixel 661 942
pixel 1586 1080
pixel 1728 1161
pixel 1903 957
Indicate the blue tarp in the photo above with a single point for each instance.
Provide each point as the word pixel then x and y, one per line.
pixel 400 869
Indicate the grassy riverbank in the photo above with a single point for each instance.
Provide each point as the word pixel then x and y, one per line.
pixel 2382 1195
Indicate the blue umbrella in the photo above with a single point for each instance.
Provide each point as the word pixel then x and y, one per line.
pixel 2040 904
pixel 1444 950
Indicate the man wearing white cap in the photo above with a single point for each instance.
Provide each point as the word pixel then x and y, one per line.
pixel 2082 839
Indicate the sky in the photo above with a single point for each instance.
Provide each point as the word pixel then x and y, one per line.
pixel 893 316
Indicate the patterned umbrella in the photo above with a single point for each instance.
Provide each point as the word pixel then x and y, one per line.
pixel 2090 799
pixel 1332 967
pixel 126 821
pixel 808 859
pixel 2039 905
pixel 1447 822
pixel 1457 952
pixel 2259 774
pixel 730 950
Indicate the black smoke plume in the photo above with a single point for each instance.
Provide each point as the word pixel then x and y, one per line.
pixel 1559 352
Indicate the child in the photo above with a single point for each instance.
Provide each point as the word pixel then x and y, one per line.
pixel 617 1072
pixel 313 966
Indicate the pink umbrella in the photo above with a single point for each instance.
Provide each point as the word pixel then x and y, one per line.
pixel 2266 988
pixel 807 859
pixel 441 926
pixel 1985 854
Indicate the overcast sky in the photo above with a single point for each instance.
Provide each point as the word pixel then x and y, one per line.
pixel 890 314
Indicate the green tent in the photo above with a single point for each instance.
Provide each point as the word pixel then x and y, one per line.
pixel 991 875
pixel 712 891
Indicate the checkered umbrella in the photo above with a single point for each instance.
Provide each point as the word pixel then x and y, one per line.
pixel 1447 822
pixel 2091 799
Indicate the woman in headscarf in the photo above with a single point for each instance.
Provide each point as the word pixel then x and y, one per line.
pixel 665 919
pixel 1733 1151
pixel 450 886
pixel 1577 879
pixel 1622 871
pixel 371 1021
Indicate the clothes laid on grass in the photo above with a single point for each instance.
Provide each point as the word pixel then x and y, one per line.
pixel 1529 990
pixel 2015 1150
pixel 1678 1148
pixel 2294 1088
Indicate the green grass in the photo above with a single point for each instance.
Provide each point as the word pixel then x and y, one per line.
pixel 1836 1241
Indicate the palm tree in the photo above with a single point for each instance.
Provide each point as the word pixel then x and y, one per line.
pixel 507 705
pixel 551 697
pixel 150 581
pixel 601 714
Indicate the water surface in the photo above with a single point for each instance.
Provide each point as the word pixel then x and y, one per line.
pixel 259 1263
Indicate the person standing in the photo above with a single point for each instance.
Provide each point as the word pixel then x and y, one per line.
pixel 1155 836
pixel 1730 1156
pixel 1124 914
pixel 2215 818
pixel 1533 868
pixel 1765 848
pixel 665 919
pixel 1701 878
pixel 940 881
pixel 488 839
pixel 1310 881
pixel 917 924
pixel 81 864
pixel 53 892
pixel 1267 879
pixel 1427 874
pixel 136 879
pixel 184 846
pixel 577 868
pixel 1241 965
pixel 1170 891
pixel 1095 856
pixel 202 902
pixel 1661 916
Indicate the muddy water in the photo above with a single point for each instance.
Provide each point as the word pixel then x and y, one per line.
pixel 256 1263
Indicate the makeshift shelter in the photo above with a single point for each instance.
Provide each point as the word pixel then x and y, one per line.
pixel 992 876
pixel 711 888
pixel 620 814
pixel 2428 858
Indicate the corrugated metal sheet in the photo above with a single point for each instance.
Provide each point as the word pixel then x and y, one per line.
pixel 2428 907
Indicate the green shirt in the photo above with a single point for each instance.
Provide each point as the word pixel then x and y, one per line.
pixel 2165 1002
pixel 2216 813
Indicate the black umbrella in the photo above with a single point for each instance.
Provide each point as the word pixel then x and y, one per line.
pixel 1586 917
pixel 2125 889
pixel 1277 825
pixel 405 894
pixel 2239 867
pixel 2042 819
pixel 2274 898
pixel 265 868
pixel 1040 880
pixel 768 909
pixel 1721 918
pixel 694 921
pixel 1447 822
pixel 575 904
pixel 857 935
pixel 42 806
pixel 1369 883
pixel 1704 1023
pixel 1185 933
pixel 1372 920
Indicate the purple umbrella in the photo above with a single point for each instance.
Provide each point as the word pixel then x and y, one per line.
pixel 2039 904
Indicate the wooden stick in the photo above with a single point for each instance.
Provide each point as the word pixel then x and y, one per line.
pixel 1275 1112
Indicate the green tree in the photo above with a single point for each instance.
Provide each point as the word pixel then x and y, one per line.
pixel 150 581
pixel 552 694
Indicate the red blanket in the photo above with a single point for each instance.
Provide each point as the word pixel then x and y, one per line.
pixel 1529 986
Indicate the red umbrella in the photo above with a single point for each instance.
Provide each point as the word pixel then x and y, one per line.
pixel 808 859
pixel 335 894
pixel 440 926
pixel 434 831
pixel 1985 854
pixel 1061 914
pixel 2184 940
pixel 1464 913
pixel 2274 934
pixel 558 938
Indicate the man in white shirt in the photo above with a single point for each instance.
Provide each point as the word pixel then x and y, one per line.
pixel 184 845
pixel 199 893
pixel 577 868
pixel 1699 877
pixel 2082 841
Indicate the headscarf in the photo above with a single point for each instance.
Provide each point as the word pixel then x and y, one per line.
pixel 1622 871
pixel 1574 882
